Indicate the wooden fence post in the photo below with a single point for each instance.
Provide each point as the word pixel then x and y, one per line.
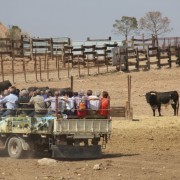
pixel 57 59
pixel 51 48
pixel 13 65
pixel 79 69
pixel 45 60
pixel 68 68
pixel 48 68
pixel 35 66
pixel 72 83
pixel 129 110
pixel 97 64
pixel 40 72
pixel 2 68
pixel 24 70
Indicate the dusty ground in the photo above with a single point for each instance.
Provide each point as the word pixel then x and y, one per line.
pixel 146 148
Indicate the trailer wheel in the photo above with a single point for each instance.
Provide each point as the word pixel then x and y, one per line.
pixel 15 149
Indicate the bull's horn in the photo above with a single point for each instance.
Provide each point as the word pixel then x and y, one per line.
pixel 142 95
pixel 153 93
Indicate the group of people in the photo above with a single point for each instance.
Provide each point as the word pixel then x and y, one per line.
pixel 46 103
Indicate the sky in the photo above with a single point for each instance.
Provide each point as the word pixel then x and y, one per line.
pixel 79 19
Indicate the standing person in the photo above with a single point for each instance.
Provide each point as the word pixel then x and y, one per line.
pixel 94 103
pixel 81 104
pixel 52 101
pixel 9 102
pixel 88 94
pixel 104 105
pixel 70 104
pixel 39 105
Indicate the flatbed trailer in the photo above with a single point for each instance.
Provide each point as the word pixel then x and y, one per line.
pixel 63 137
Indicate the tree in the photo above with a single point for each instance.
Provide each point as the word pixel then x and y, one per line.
pixel 125 26
pixel 154 23
pixel 14 32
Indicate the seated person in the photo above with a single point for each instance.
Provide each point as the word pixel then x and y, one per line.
pixel 23 103
pixel 39 105
pixel 9 102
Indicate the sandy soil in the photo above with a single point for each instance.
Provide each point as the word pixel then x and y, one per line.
pixel 146 148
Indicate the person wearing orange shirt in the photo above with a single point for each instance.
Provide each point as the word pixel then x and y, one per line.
pixel 104 106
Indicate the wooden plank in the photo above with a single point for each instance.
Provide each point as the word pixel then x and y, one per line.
pixel 91 52
pixel 164 64
pixel 111 45
pixel 89 47
pixel 5 52
pixel 143 59
pixel 5 46
pixel 117 111
pixel 5 39
pixel 41 46
pixel 41 40
pixel 78 49
pixel 109 39
pixel 59 43
pixel 164 57
pixel 100 48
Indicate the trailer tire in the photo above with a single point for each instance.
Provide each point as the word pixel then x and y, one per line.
pixel 15 149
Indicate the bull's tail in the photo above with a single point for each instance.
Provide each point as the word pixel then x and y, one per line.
pixel 177 107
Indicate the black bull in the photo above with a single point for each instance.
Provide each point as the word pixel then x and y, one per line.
pixel 156 99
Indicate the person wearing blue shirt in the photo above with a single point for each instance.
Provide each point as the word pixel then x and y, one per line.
pixel 10 102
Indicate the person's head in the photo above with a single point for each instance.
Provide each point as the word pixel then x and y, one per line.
pixel 69 94
pixel 47 91
pixel 105 94
pixel 89 93
pixel 42 92
pixel 56 93
pixel 98 93
pixel 75 94
pixel 37 92
pixel 5 92
pixel 81 92
pixel 12 90
pixel 24 92
pixel 62 93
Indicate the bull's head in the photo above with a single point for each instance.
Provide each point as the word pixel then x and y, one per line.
pixel 151 98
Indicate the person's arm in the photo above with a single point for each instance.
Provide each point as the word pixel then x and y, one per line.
pixel 47 99
pixel 94 98
pixel 4 100
pixel 64 99
pixel 31 101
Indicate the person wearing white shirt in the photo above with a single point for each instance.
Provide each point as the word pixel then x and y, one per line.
pixel 94 103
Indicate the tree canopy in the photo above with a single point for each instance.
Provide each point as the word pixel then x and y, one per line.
pixel 125 26
pixel 154 23
pixel 14 32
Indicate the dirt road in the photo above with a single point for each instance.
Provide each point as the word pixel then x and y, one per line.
pixel 146 148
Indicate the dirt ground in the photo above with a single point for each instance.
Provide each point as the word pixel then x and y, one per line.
pixel 146 148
